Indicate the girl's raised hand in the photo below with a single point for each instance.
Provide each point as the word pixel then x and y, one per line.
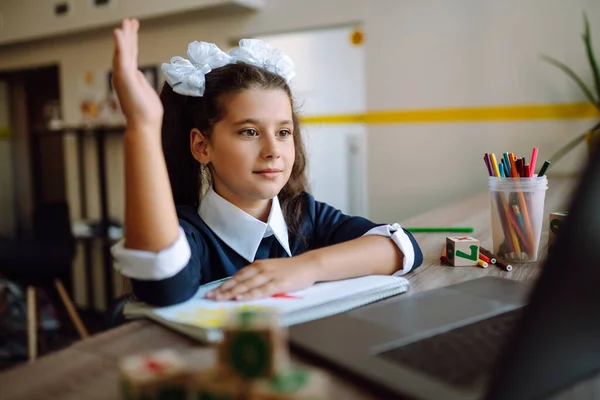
pixel 139 101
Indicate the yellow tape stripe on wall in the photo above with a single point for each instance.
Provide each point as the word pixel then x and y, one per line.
pixel 467 114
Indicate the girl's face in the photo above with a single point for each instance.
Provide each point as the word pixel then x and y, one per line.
pixel 252 148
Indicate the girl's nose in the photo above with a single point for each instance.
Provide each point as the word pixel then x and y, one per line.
pixel 270 147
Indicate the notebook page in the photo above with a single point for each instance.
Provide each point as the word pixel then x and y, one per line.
pixel 205 313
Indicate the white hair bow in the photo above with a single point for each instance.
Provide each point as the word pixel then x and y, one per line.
pixel 187 77
pixel 258 53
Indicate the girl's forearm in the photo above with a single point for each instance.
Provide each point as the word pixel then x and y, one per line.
pixel 366 255
pixel 150 219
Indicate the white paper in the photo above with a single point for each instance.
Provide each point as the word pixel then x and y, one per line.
pixel 205 313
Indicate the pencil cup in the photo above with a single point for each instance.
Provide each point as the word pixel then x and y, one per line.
pixel 517 216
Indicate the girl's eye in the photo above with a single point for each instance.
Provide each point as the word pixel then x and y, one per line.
pixel 249 133
pixel 284 133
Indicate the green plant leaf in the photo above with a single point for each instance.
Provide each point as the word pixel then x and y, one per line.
pixel 570 146
pixel 573 76
pixel 587 39
pixel 566 148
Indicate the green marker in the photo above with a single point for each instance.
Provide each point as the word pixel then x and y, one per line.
pixel 454 229
pixel 544 168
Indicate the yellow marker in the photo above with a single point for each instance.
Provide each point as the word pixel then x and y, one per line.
pixel 494 165
pixel 482 263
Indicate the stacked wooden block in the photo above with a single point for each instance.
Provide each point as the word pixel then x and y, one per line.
pixel 462 251
pixel 557 220
pixel 253 364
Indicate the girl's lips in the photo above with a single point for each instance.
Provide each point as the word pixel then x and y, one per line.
pixel 269 173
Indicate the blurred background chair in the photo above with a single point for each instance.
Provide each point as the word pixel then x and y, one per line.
pixel 43 261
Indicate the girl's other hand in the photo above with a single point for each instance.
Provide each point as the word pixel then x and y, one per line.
pixel 265 278
pixel 140 102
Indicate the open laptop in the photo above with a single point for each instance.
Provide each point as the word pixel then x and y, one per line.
pixel 489 338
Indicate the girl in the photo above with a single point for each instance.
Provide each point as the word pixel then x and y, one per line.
pixel 224 194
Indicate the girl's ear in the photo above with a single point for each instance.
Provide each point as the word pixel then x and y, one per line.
pixel 199 146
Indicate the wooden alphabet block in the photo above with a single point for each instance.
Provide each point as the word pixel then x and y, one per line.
pixel 254 345
pixel 293 384
pixel 557 219
pixel 158 375
pixel 216 384
pixel 462 251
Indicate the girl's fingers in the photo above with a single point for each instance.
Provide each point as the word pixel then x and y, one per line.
pixel 269 288
pixel 241 276
pixel 245 286
pixel 127 45
pixel 118 38
pixel 134 39
pixel 225 287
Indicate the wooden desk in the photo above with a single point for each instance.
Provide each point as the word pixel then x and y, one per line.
pixel 88 369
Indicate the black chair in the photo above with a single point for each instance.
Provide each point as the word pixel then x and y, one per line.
pixel 44 261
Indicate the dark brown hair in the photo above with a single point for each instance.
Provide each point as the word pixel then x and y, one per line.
pixel 182 113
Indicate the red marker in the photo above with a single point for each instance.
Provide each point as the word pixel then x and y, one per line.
pixel 155 366
pixel 284 296
pixel 485 258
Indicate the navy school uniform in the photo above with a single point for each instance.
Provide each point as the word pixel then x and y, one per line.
pixel 218 239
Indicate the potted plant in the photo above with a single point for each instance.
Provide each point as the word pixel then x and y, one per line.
pixel 592 136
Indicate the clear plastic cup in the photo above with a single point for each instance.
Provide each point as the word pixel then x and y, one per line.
pixel 517 216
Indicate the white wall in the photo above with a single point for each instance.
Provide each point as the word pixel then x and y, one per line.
pixel 419 54
pixel 443 54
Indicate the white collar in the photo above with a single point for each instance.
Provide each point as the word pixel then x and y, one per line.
pixel 238 229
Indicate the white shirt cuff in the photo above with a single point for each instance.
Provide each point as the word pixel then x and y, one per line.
pixel 147 265
pixel 399 237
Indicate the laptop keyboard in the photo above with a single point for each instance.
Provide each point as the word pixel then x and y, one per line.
pixel 459 357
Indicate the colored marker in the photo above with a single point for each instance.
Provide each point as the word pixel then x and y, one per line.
pixel 494 165
pixel 485 258
pixel 519 216
pixel 534 155
pixel 284 296
pixel 488 254
pixel 482 263
pixel 496 260
pixel 544 168
pixel 514 172
pixel 519 163
pixel 505 266
pixel 506 164
pixel 486 160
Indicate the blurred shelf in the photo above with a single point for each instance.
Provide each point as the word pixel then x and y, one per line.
pixel 81 130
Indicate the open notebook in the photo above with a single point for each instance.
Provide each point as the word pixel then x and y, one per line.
pixel 202 318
